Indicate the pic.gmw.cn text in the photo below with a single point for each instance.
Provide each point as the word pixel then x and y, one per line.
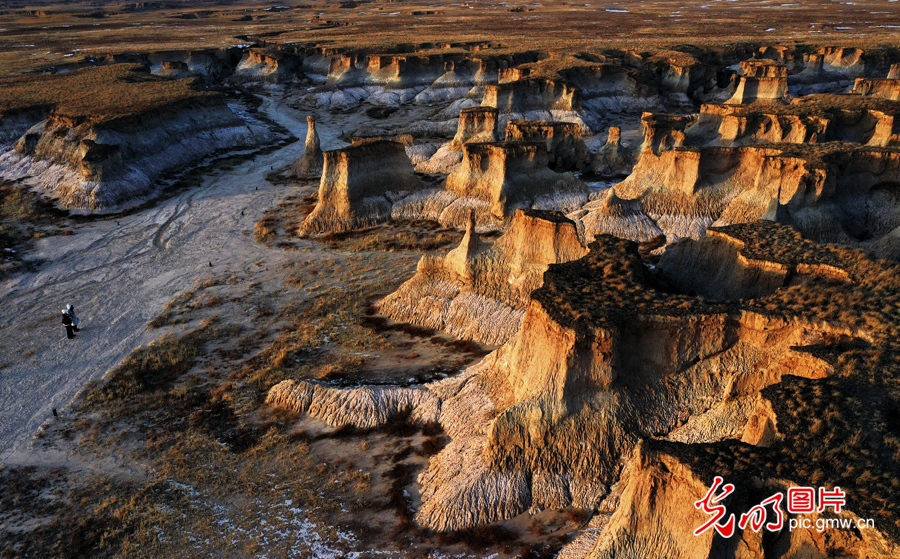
pixel 772 513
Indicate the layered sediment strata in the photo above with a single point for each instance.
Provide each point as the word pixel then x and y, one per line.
pixel 527 95
pixel 391 79
pixel 834 61
pixel 538 99
pixel 213 65
pixel 606 85
pixel 845 60
pixel 479 291
pixel 685 76
pixel 608 355
pixel 86 164
pixel 509 176
pixel 588 371
pixel 825 190
pixel 813 65
pixel 753 89
pixel 476 124
pixel 311 163
pixel 663 131
pixel 763 68
pixel 675 71
pixel 802 163
pixel 458 79
pixel 814 119
pixel 493 180
pixel 612 159
pixel 609 87
pixel 389 70
pixel 358 186
pixel 409 71
pixel 270 65
pixel 883 89
pixel 563 140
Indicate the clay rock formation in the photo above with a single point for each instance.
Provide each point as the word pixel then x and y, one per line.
pixel 843 60
pixel 363 408
pixel 103 165
pixel 813 119
pixel 420 154
pixel 401 72
pixel 358 186
pixel 730 377
pixel 395 70
pixel 883 89
pixel 537 99
pixel 173 69
pixel 819 189
pixel 493 180
pixel 614 216
pixel 751 89
pixel 509 176
pixel 209 64
pixel 575 371
pixel 763 68
pixel 479 291
pixel 834 62
pixel 606 85
pixel 405 140
pixel 760 79
pixel 310 164
pixel 459 79
pixel 894 72
pixel 680 76
pixel 612 159
pixel 663 131
pixel 813 65
pixel 675 70
pixel 476 124
pixel 799 163
pixel 563 140
pixel 268 65
pixel 527 95
pixel 349 80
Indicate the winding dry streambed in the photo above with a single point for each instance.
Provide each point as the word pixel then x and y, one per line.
pixel 119 273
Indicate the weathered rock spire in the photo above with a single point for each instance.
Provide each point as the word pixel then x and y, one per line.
pixel 310 164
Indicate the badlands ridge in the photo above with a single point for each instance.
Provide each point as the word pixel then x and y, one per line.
pixel 684 264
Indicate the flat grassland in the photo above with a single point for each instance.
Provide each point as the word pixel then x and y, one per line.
pixel 96 93
pixel 45 34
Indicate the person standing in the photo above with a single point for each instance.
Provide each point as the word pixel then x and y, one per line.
pixel 70 310
pixel 70 326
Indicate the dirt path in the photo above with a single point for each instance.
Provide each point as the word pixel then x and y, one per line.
pixel 118 273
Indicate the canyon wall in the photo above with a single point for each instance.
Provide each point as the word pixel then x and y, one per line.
pixel 99 166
